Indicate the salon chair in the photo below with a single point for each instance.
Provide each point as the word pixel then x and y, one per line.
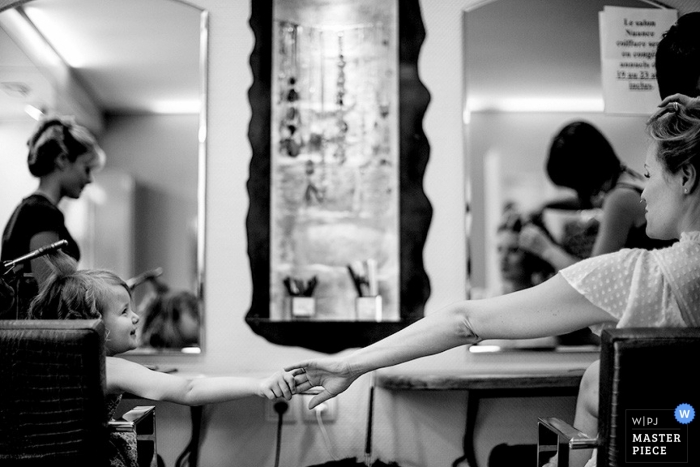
pixel 645 375
pixel 52 397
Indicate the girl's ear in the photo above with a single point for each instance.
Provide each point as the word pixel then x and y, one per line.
pixel 689 178
pixel 62 161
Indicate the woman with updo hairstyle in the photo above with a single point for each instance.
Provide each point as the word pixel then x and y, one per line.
pixel 62 156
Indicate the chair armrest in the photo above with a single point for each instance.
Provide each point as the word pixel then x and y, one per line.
pixel 134 419
pixel 556 439
pixel 564 431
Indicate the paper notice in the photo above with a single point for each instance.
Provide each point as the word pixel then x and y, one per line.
pixel 628 41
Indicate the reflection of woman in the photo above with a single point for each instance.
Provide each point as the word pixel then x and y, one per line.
pixel 582 159
pixel 628 288
pixel 170 320
pixel 62 155
pixel 519 268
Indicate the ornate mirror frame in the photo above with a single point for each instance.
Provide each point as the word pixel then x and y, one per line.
pixel 415 211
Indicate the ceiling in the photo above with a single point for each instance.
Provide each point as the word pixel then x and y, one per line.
pixel 129 56
pixel 141 56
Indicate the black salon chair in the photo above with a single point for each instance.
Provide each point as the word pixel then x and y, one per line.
pixel 646 374
pixel 52 401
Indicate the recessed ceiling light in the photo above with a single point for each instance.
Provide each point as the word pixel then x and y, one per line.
pixel 16 89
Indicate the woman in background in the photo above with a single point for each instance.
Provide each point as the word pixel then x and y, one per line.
pixel 581 158
pixel 63 156
pixel 170 320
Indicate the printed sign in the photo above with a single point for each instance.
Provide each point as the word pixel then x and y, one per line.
pixel 628 41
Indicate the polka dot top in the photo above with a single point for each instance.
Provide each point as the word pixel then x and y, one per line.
pixel 644 288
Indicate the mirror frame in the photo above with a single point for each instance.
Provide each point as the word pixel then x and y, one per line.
pixel 201 174
pixel 415 210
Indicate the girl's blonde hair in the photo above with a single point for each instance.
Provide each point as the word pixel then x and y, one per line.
pixel 69 293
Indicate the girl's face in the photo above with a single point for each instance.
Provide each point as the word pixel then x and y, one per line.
pixel 663 196
pixel 120 322
pixel 78 174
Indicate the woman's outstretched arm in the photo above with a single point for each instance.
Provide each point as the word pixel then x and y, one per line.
pixel 551 308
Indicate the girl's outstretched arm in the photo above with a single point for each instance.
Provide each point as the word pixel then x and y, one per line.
pixel 551 308
pixel 126 376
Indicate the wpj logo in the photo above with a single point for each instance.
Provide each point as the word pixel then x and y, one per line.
pixel 658 435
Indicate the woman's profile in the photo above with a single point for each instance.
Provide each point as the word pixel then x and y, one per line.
pixel 63 156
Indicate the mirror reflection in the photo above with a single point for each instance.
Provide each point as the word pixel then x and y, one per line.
pixel 133 73
pixel 334 177
pixel 521 89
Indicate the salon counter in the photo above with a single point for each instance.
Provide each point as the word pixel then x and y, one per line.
pixel 509 374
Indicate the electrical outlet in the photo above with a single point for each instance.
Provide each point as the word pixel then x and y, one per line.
pixel 329 409
pixel 290 416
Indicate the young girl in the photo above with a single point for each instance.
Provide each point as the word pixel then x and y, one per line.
pixel 98 294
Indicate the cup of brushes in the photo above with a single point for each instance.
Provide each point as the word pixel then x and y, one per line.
pixel 368 304
pixel 301 300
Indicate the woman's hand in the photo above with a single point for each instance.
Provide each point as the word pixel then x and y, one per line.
pixel 533 240
pixel 332 374
pixel 673 102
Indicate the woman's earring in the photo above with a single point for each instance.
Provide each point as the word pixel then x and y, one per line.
pixel 685 190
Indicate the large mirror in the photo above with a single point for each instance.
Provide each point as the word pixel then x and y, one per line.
pixel 531 67
pixel 295 36
pixel 134 73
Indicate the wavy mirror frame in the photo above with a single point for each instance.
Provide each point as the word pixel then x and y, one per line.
pixel 414 206
pixel 201 175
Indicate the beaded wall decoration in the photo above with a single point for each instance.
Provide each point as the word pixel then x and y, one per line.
pixel 334 173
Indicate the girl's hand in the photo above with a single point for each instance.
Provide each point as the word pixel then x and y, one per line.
pixel 280 384
pixel 330 373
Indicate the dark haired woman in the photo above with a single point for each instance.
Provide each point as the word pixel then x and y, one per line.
pixel 63 156
pixel 582 159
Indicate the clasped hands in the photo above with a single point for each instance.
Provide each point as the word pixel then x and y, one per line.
pixel 326 378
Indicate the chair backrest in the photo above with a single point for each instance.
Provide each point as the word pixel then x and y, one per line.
pixel 647 376
pixel 52 404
